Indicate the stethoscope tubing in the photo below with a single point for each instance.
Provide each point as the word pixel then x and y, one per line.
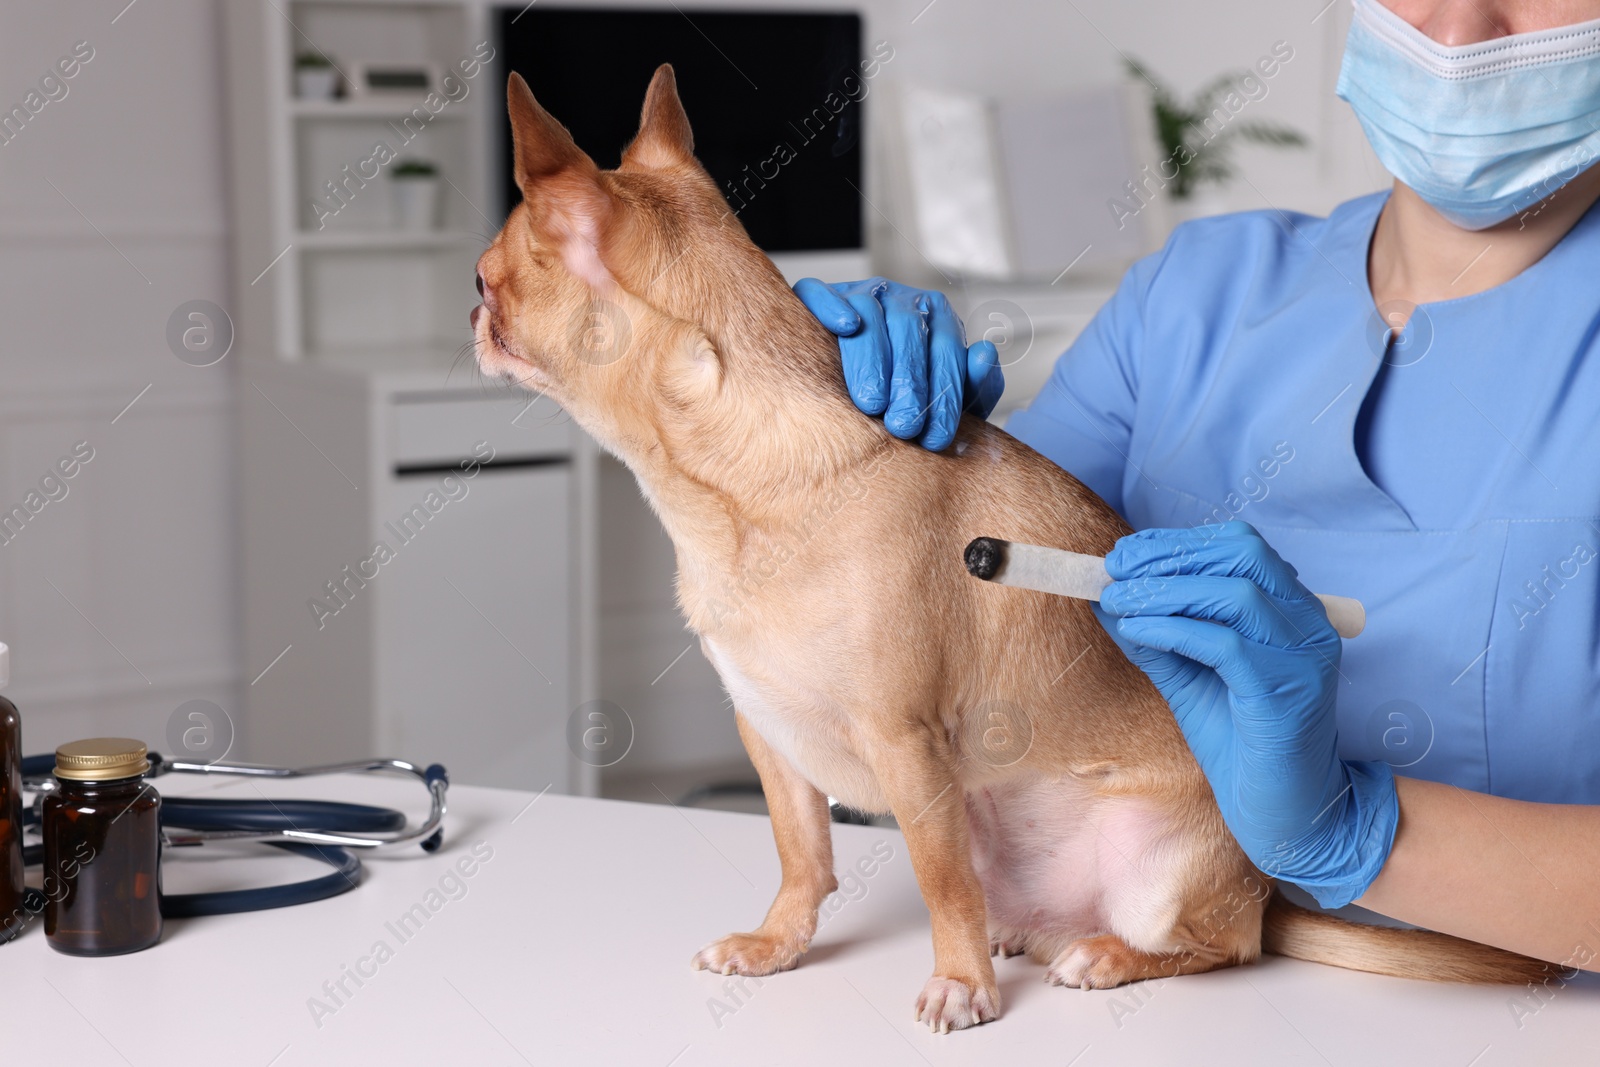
pixel 333 832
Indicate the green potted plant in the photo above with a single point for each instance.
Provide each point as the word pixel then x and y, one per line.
pixel 315 77
pixel 414 184
pixel 1198 136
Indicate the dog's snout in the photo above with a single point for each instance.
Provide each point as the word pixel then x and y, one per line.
pixel 480 283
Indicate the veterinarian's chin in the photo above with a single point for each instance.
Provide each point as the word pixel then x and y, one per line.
pixel 496 360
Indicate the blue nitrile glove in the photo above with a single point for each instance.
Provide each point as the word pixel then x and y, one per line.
pixel 1254 696
pixel 906 356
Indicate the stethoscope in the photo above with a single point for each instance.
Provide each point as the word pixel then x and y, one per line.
pixel 330 831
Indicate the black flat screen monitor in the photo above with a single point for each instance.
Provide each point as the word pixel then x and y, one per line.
pixel 760 87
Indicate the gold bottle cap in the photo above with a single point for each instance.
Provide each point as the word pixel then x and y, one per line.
pixel 101 759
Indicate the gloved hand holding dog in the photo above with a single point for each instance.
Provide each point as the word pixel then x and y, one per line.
pixel 906 356
pixel 1254 696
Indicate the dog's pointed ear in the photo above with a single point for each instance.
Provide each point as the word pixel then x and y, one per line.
pixel 568 205
pixel 664 137
pixel 542 146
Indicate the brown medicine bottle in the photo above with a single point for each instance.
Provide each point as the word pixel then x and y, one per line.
pixel 12 914
pixel 102 850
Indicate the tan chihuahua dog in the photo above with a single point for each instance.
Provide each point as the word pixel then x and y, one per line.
pixel 1049 802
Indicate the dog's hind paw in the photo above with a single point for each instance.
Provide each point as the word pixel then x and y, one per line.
pixel 1101 963
pixel 951 1004
pixel 754 954
pixel 1006 946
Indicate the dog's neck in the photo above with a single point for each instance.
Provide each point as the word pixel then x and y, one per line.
pixel 780 419
pixel 750 460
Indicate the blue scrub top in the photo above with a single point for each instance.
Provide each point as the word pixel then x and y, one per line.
pixel 1449 478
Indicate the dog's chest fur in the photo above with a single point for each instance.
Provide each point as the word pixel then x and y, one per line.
pixel 805 722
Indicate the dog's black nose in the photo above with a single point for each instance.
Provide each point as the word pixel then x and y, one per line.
pixel 480 283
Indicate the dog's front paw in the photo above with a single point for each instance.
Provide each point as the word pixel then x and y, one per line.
pixel 951 1004
pixel 754 954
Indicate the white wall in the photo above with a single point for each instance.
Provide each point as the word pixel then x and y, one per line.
pixel 119 600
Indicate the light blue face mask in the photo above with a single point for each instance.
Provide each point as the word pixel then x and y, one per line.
pixel 1482 131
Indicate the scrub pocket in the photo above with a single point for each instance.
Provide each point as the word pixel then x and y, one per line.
pixel 1541 677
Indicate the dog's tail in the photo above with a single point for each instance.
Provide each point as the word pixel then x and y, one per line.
pixel 1293 931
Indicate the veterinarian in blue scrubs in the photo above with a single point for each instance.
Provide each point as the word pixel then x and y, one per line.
pixel 1246 398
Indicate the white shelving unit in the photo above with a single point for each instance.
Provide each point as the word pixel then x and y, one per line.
pixel 308 274
pixel 473 644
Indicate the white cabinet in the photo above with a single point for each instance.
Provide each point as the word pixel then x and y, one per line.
pixel 417 571
pixel 474 635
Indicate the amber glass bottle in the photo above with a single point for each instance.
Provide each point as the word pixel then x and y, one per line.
pixel 102 850
pixel 12 914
